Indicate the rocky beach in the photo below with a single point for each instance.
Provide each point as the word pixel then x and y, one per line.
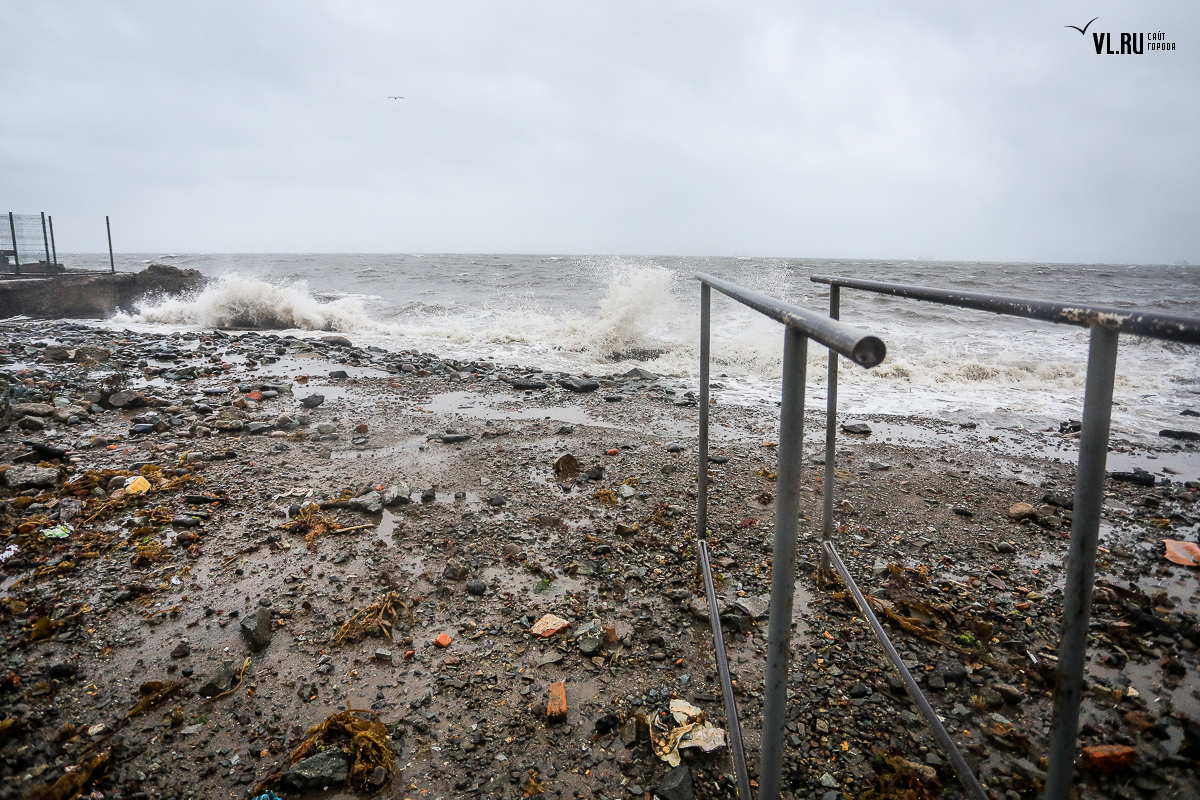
pixel 240 562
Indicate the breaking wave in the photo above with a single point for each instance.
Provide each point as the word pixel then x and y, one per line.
pixel 234 301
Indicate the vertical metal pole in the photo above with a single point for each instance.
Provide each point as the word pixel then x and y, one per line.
pixel 46 241
pixel 53 249
pixel 702 468
pixel 12 227
pixel 830 432
pixel 783 562
pixel 1081 559
pixel 112 266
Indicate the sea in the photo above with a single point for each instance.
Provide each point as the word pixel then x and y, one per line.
pixel 608 314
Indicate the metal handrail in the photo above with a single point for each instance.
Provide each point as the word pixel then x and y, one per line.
pixel 1153 324
pixel 1105 324
pixel 862 348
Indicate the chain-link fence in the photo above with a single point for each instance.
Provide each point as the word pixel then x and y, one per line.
pixel 27 244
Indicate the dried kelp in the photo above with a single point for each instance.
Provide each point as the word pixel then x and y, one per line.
pixel 70 785
pixel 903 780
pixel 377 619
pixel 367 742
pixel 153 693
pixel 313 524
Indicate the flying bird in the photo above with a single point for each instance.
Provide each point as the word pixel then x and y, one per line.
pixel 397 97
pixel 1082 30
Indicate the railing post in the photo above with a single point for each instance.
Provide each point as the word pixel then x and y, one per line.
pixel 710 591
pixel 1081 559
pixel 46 241
pixel 830 432
pixel 12 227
pixel 112 266
pixel 53 249
pixel 783 562
pixel 702 464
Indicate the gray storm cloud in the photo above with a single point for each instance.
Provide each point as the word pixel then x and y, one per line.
pixel 873 129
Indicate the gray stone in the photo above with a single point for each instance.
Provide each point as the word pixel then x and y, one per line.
pixel 579 385
pixel 259 427
pixel 1011 694
pixel 454 438
pixel 476 587
pixel 327 770
pixel 220 682
pixel 31 423
pixel 64 413
pixel 337 341
pixel 369 503
pixel 640 374
pixel 455 571
pixel 521 384
pixel 256 630
pixel 676 784
pixel 856 427
pixel 312 401
pixel 755 607
pixel 122 399
pixel 24 476
pixel 589 637
pixel 396 493
pixel 32 409
pixel 625 491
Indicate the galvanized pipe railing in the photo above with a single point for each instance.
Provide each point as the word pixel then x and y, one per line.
pixel 1106 323
pixel 865 350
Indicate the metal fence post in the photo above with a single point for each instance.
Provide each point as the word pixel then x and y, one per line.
pixel 702 464
pixel 53 249
pixel 783 562
pixel 1081 558
pixel 112 266
pixel 12 227
pixel 46 241
pixel 830 433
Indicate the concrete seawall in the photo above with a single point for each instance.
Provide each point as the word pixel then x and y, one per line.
pixel 91 294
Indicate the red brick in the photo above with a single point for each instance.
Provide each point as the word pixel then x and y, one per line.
pixel 556 708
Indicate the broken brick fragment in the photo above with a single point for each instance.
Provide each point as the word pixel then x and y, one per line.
pixel 1108 758
pixel 548 626
pixel 556 708
pixel 443 640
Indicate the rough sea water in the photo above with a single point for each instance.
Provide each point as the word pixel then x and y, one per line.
pixel 604 314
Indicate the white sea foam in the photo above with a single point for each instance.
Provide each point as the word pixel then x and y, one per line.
pixel 234 301
pixel 619 314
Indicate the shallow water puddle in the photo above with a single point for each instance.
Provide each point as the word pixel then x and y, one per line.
pixel 471 404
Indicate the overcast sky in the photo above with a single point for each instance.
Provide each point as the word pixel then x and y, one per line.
pixel 955 130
